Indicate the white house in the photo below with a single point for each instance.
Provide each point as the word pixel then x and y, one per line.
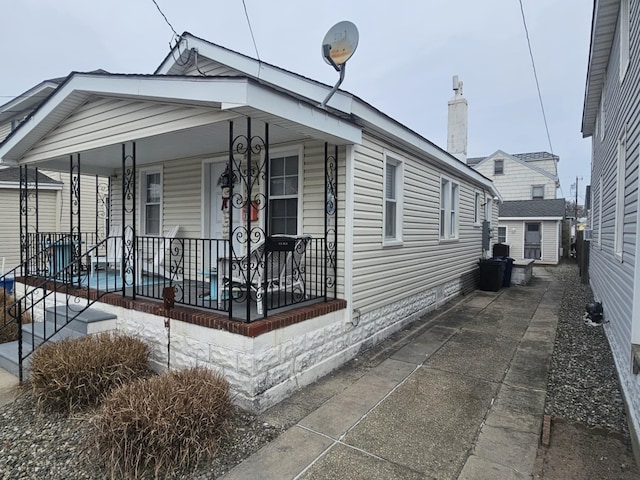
pixel 610 118
pixel 530 218
pixel 225 169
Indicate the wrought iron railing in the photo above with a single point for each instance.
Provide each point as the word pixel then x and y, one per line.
pixel 279 272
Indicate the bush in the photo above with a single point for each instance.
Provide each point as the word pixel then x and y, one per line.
pixel 75 373
pixel 162 424
pixel 8 327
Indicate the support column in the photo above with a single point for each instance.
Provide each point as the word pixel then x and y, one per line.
pixel 128 219
pixel 331 222
pixel 24 219
pixel 75 237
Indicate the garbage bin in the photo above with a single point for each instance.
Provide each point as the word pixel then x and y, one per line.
pixel 508 268
pixel 500 250
pixel 7 284
pixel 491 274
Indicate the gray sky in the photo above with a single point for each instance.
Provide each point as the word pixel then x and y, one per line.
pixel 407 54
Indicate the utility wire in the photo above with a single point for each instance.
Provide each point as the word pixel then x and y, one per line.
pixel 535 74
pixel 250 29
pixel 165 18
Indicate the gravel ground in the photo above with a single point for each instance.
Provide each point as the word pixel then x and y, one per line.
pixel 34 445
pixel 583 384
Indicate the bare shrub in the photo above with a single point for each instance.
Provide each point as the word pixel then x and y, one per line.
pixel 75 373
pixel 163 424
pixel 8 326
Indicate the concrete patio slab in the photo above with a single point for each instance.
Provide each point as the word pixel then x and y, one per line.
pixel 425 345
pixel 480 469
pixel 509 448
pixel 348 463
pixel 477 354
pixel 436 432
pixel 529 369
pixel 518 408
pixel 340 413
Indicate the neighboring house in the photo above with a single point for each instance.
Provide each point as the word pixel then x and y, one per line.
pixel 55 187
pixel 530 219
pixel 48 202
pixel 610 117
pixel 212 160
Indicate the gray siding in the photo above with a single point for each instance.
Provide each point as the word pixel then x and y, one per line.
pixel 612 279
pixel 209 68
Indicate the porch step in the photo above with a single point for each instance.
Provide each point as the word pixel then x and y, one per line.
pixel 89 321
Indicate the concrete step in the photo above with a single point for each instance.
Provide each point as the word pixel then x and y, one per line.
pixel 91 320
pixel 9 357
pixel 86 322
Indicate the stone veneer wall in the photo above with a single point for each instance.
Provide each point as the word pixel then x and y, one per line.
pixel 267 368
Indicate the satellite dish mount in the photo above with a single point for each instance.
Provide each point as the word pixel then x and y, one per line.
pixel 338 46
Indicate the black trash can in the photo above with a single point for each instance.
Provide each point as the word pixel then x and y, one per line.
pixel 500 250
pixel 508 268
pixel 491 274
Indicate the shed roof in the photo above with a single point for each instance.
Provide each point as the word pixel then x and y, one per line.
pixel 532 208
pixel 12 175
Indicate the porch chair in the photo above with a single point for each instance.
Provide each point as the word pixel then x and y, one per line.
pixel 272 269
pixel 112 253
pixel 154 266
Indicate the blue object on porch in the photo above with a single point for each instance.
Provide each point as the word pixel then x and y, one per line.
pixel 61 251
pixel 213 283
pixel 7 284
pixel 110 280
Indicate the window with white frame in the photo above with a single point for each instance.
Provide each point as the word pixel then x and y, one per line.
pixel 620 177
pixel 498 167
pixel 624 37
pixel 477 210
pixel 283 195
pixel 537 192
pixel 449 207
pixel 502 234
pixel 151 202
pixel 392 215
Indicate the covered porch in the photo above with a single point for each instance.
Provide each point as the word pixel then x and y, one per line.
pixel 218 206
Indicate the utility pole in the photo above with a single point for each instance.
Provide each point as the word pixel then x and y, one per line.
pixel 575 213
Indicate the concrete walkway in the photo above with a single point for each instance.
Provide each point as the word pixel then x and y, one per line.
pixel 462 398
pixel 9 387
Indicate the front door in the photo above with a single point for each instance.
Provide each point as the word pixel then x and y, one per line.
pixel 533 241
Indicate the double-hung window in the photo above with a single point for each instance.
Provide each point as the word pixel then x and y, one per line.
pixel 283 195
pixel 151 202
pixel 537 192
pixel 502 234
pixel 392 214
pixel 449 209
pixel 498 167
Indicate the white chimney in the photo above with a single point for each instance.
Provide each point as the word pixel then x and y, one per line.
pixel 457 123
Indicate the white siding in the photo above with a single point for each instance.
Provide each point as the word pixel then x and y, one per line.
pixel 550 239
pixel 385 274
pixel 5 130
pixel 10 222
pixel 209 68
pixel 111 121
pixel 517 180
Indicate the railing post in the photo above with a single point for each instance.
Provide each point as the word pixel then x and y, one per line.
pixel 129 270
pixel 330 222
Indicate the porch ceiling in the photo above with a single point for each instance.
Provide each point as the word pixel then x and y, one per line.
pixel 167 117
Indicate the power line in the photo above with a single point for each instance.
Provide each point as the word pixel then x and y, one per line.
pixel 251 29
pixel 166 19
pixel 535 74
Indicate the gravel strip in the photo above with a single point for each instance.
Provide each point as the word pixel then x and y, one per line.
pixel 583 384
pixel 35 445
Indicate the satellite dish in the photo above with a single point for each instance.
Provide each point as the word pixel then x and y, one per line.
pixel 338 46
pixel 340 43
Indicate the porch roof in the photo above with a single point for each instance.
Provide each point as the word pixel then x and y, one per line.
pixel 222 98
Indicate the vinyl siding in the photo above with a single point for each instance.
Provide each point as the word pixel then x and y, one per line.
pixel 10 222
pixel 612 279
pixel 5 130
pixel 209 68
pixel 110 121
pixel 384 274
pixel 550 239
pixel 517 180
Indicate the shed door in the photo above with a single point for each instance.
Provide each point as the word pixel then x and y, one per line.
pixel 532 241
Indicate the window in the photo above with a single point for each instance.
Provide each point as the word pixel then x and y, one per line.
pixel 502 234
pixel 392 216
pixel 498 167
pixel 283 195
pixel 449 195
pixel 477 208
pixel 624 38
pixel 152 202
pixel 537 192
pixel 620 177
